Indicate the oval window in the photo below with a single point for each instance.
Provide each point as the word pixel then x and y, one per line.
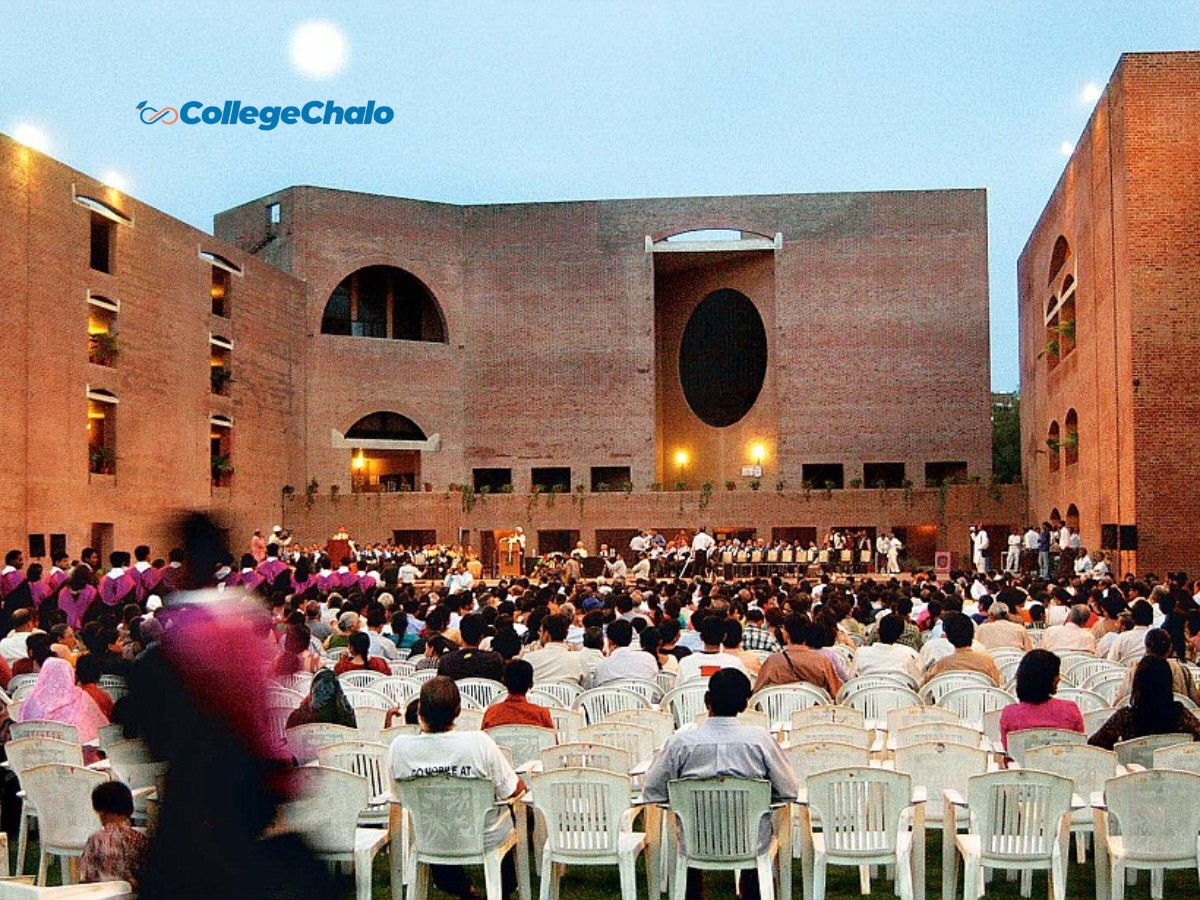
pixel 723 358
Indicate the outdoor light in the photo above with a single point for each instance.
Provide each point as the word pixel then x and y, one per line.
pixel 758 453
pixel 681 458
pixel 359 461
pixel 31 136
pixel 116 181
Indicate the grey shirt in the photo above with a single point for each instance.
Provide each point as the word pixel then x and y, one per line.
pixel 723 746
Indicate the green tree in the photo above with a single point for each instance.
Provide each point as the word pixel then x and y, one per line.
pixel 1006 441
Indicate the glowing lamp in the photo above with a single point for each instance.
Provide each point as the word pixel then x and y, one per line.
pixel 758 453
pixel 681 458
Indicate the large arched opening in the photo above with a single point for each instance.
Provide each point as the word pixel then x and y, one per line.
pixel 385 453
pixel 384 302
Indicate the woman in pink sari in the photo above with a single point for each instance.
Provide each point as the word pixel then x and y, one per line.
pixel 56 698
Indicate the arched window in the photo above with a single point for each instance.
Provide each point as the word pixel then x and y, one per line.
pixel 1066 317
pixel 1070 438
pixel 1058 257
pixel 1073 517
pixel 384 302
pixel 385 426
pixel 1054 446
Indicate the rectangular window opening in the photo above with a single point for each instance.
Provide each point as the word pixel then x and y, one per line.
pixel 939 473
pixel 823 476
pixel 611 478
pixel 885 475
pixel 550 479
pixel 221 283
pixel 104 234
pixel 496 481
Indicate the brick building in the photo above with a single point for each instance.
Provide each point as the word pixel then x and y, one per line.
pixel 339 357
pixel 1108 304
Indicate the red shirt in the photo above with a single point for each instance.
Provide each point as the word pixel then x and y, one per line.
pixel 374 664
pixel 101 697
pixel 513 710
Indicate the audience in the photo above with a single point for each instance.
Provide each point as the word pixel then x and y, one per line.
pixel 1152 708
pixel 515 709
pixel 1037 707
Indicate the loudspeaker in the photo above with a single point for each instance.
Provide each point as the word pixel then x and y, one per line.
pixel 37 546
pixel 1108 537
pixel 1129 537
pixel 58 545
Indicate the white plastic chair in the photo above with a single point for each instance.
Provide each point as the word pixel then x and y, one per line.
pixel 1020 742
pixel 114 685
pixel 781 700
pixel 876 679
pixel 1018 821
pixel 402 667
pixel 362 678
pixel 942 733
pixel 469 720
pixel 36 728
pixel 133 764
pixel 936 688
pixel 718 822
pixel 101 890
pixel 567 722
pixel 63 797
pixel 390 734
pixel 970 703
pixel 1087 701
pixel 637 740
pixel 526 742
pixel 940 766
pixel 281 696
pixel 483 691
pixel 370 760
pixel 666 681
pixel 661 722
pixel 304 740
pixel 588 821
pixel 825 756
pixel 1106 684
pixel 1159 817
pixel 1093 721
pixel 686 702
pixel 1087 767
pixel 397 688
pixel 834 715
pixel 365 697
pixel 19 681
pixel 420 676
pixel 648 689
pixel 326 813
pixel 863 821
pixel 598 703
pixel 1182 757
pixel 825 733
pixel 755 718
pixel 449 817
pixel 554 693
pixel 876 702
pixel 23 755
pixel 907 716
pixel 587 755
pixel 297 681
pixel 1079 669
pixel 1141 750
pixel 369 722
pixel 277 719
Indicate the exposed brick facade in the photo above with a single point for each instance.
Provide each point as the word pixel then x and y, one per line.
pixel 1128 204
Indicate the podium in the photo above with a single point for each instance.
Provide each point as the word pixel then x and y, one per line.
pixel 508 553
pixel 338 549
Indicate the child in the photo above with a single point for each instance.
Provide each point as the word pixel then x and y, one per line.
pixel 117 851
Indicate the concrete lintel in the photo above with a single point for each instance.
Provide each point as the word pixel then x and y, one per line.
pixel 339 441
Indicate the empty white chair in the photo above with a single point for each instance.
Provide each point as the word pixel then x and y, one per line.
pixel 831 713
pixel 1141 750
pixel 1158 814
pixel 19 681
pixel 402 667
pixel 588 821
pixel 55 730
pixel 637 740
pixel 666 681
pixel 63 796
pixel 862 814
pixel 110 734
pixel 1077 670
pixel 277 719
pixel 1019 742
pixel 281 696
pixel 940 766
pixel 567 722
pixel 397 688
pixel 114 685
pixel 781 700
pixel 133 763
pixel 877 679
pixel 369 721
pixel 907 716
pixel 469 720
pixel 326 813
pixel 1087 767
pixel 587 755
pixel 686 702
pixel 297 681
pixel 936 688
pixel 598 703
pixel 369 760
pixel 1087 701
pixel 484 691
pixel 526 742
pixel 390 734
pixel 420 676
pixel 1093 721
pixel 942 733
pixel 23 755
pixel 1018 821
pixel 554 693
pixel 970 703
pixel 1183 757
pixel 1106 684
pixel 648 689
pixel 844 734
pixel 661 722
pixel 825 756
pixel 718 823
pixel 876 702
pixel 449 825
pixel 303 740
pixel 365 697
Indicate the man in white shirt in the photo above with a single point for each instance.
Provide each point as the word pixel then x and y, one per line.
pixel 702 545
pixel 13 647
pixel 623 660
pixel 885 656
pixel 1071 635
pixel 712 658
pixel 555 661
pixel 1012 561
pixel 440 750
pixel 979 544
pixel 1001 631
pixel 1128 646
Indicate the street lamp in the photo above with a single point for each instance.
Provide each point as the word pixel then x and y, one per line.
pixel 681 461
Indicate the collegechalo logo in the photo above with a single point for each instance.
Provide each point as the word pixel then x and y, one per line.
pixel 233 112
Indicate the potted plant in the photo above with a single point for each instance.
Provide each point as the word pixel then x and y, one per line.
pixel 731 485
pixel 755 484
pixel 102 349
pixel 856 483
pixel 221 467
pixel 102 461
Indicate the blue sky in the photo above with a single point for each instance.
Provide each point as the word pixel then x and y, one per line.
pixel 559 100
